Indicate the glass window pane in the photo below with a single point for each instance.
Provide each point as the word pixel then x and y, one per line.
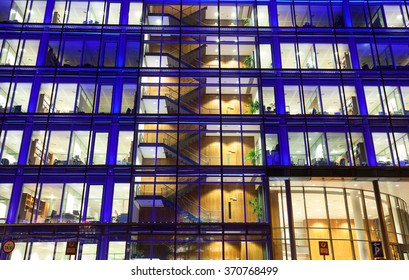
pixel 318 150
pixel 382 149
pixel 284 13
pixel 79 148
pixel 110 52
pixel 114 13
pixel 325 56
pixel 42 251
pixel 265 56
pixel 331 100
pixel 100 148
pixel 9 52
pixel 320 15
pixel 263 15
pixel 120 203
pixel 373 100
pixel 94 203
pixel 135 13
pixel 5 194
pixel 51 195
pixel 116 250
pixel 125 145
pixel 85 98
pixel 306 55
pixel 105 99
pixel 64 99
pixel 58 147
pixel 288 56
pixel 297 148
pixel 72 203
pixel 96 12
pixel 10 142
pixel 77 12
pixel 4 93
pixel 91 53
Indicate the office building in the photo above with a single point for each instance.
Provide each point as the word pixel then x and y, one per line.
pixel 204 129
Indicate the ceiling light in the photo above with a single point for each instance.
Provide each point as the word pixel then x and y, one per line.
pixel 216 14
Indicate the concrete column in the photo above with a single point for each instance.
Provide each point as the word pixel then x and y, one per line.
pixel 359 225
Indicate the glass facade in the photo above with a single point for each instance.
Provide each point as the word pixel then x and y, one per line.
pixel 204 129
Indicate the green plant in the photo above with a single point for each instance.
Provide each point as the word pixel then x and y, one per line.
pixel 257 207
pixel 253 105
pixel 247 22
pixel 249 62
pixel 253 155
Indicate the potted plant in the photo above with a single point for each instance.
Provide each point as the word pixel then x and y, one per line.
pixel 253 155
pixel 257 208
pixel 253 105
pixel 249 62
pixel 247 21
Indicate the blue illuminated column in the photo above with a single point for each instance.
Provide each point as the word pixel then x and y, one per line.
pixel 124 12
pixel 107 198
pixel 347 13
pixel 25 144
pixel 120 59
pixel 369 146
pixel 117 96
pixel 49 11
pixel 5 6
pixel 113 144
pixel 35 90
pixel 360 96
pixel 103 245
pixel 272 7
pixel 42 50
pixel 15 198
pixel 284 146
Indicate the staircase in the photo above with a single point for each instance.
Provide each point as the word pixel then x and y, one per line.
pixel 185 15
pixel 185 203
pixel 172 145
pixel 189 100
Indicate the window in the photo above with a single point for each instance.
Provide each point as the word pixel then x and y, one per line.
pixel 26 56
pixel 114 12
pixel 120 203
pixel 5 195
pixel 16 95
pixel 263 15
pixel 383 149
pixel 100 148
pixel 125 148
pixel 135 13
pixel 10 143
pixel 30 10
pixel 128 99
